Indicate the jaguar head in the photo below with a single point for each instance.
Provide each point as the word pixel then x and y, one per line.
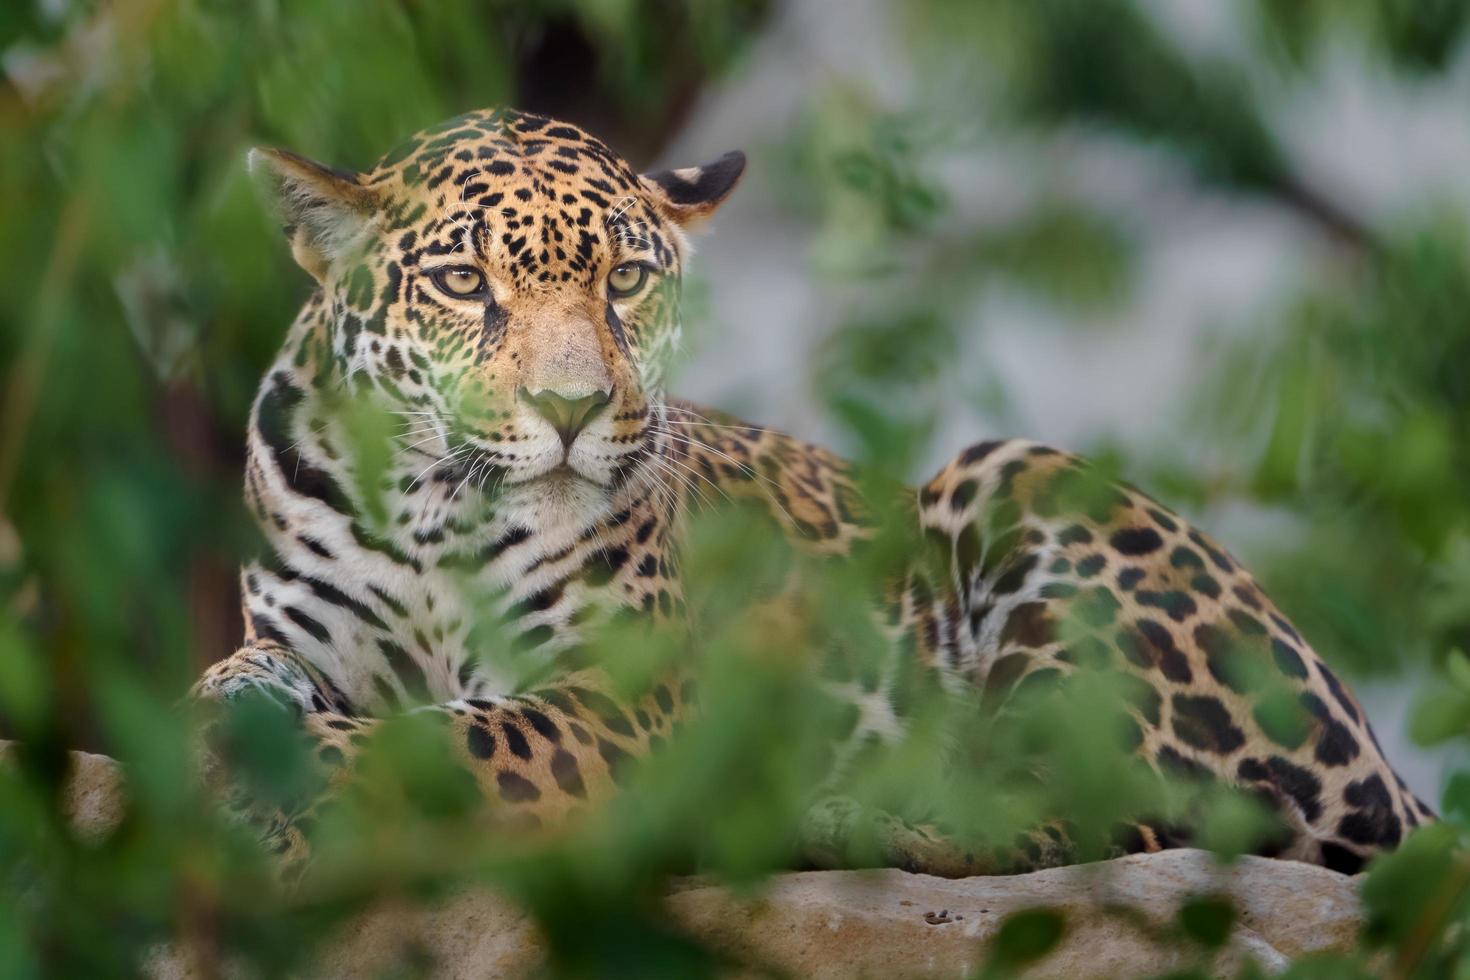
pixel 510 286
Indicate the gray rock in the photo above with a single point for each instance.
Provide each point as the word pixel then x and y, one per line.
pixel 889 923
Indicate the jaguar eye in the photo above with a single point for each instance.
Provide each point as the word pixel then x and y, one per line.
pixel 627 279
pixel 460 281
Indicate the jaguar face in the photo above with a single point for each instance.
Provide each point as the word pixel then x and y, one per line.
pixel 510 287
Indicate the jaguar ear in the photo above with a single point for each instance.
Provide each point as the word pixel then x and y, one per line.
pixel 325 212
pixel 689 195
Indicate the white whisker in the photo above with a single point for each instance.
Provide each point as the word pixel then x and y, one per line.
pixel 744 466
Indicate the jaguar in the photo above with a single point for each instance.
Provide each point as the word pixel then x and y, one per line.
pixel 506 289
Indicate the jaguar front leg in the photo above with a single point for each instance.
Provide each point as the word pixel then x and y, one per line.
pixel 262 670
pixel 264 667
pixel 550 751
pixel 537 758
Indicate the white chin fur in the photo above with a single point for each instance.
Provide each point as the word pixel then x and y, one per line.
pixel 556 504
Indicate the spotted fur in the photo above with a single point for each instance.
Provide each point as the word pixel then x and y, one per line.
pixel 559 518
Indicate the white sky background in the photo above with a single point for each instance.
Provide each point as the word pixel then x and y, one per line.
pixel 1206 264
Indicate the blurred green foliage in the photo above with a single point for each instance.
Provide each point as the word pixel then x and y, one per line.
pixel 145 290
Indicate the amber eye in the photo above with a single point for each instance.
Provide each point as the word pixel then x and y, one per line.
pixel 460 281
pixel 627 279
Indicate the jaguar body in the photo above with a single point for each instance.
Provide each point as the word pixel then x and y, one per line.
pixel 504 290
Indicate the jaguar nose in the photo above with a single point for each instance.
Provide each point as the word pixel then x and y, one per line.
pixel 569 416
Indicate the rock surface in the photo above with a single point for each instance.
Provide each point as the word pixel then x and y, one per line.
pixel 93 795
pixel 865 923
pixel 893 924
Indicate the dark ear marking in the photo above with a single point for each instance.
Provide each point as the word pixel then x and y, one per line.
pixel 701 185
pixel 690 194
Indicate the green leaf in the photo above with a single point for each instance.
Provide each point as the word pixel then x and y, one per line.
pixel 1455 800
pixel 1428 874
pixel 1457 669
pixel 1026 937
pixel 1233 823
pixel 24 682
pixel 1208 920
pixel 1440 716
